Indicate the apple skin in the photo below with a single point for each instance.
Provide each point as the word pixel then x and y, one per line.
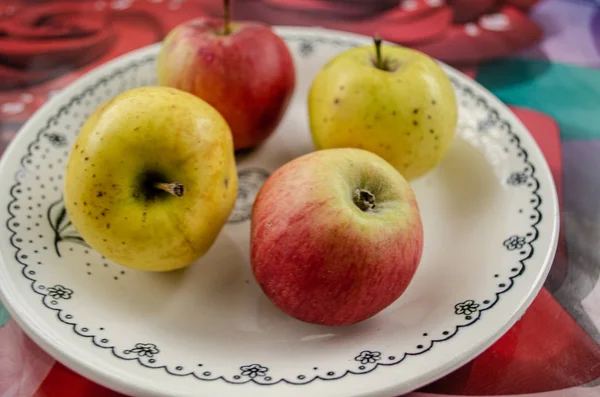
pixel 317 255
pixel 247 75
pixel 151 134
pixel 407 114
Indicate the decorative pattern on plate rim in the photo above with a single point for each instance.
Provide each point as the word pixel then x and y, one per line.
pixel 365 361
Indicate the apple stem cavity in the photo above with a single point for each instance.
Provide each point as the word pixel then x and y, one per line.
pixel 175 188
pixel 227 18
pixel 378 59
pixel 364 200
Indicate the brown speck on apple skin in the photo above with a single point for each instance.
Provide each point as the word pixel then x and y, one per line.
pixel 85 203
pixel 99 194
pixel 336 101
pixel 415 111
pixel 226 182
pixel 108 225
pixel 415 123
pixel 394 113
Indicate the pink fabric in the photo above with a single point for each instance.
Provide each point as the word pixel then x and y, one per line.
pixel 24 365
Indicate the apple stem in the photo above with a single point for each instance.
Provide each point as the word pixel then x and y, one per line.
pixel 378 60
pixel 227 18
pixel 364 200
pixel 175 188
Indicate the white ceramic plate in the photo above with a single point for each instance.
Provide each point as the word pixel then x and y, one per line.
pixel 490 220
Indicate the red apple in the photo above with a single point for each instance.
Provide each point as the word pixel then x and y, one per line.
pixel 243 69
pixel 336 236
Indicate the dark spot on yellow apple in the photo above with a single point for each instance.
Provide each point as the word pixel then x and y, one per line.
pixel 336 101
pixel 226 182
pixel 431 131
pixel 436 138
pixel 86 159
pixel 369 127
pixel 103 213
pixel 108 225
pixel 415 111
pixel 436 147
pixel 428 117
pixel 116 278
pixel 85 203
pixel 105 240
pixel 342 87
pixel 415 123
pixel 394 113
pixel 76 146
pixel 433 102
pixel 99 194
pixel 136 128
pixel 406 165
pixel 75 204
pixel 123 271
pixel 97 218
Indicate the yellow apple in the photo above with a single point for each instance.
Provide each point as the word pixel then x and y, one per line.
pixel 390 100
pixel 151 178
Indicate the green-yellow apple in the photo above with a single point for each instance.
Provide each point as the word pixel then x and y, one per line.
pixel 151 178
pixel 243 69
pixel 393 101
pixel 336 236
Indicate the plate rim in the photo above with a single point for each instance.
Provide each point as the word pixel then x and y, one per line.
pixel 113 381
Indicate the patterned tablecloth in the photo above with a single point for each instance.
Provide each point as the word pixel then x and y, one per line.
pixel 539 57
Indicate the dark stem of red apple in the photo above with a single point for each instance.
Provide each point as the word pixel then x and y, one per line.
pixel 364 200
pixel 175 188
pixel 378 59
pixel 227 18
